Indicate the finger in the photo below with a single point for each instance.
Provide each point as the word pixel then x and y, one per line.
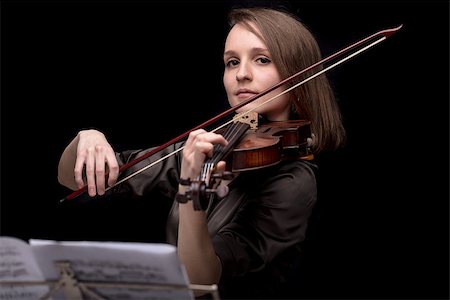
pixel 199 146
pixel 193 136
pixel 222 187
pixel 90 172
pixel 113 167
pixel 220 167
pixel 211 138
pixel 205 148
pixel 78 170
pixel 100 169
pixel 214 138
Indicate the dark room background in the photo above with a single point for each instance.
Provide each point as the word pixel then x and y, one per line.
pixel 144 72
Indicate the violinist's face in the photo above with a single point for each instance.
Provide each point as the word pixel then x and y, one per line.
pixel 249 70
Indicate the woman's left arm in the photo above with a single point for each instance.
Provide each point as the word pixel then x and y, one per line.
pixel 195 247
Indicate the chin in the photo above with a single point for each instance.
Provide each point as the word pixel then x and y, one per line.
pixel 247 108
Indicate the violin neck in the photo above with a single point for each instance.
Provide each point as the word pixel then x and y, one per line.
pixel 233 134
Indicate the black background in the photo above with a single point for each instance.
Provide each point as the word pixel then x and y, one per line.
pixel 146 71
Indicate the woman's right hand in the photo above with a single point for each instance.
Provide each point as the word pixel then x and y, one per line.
pixel 95 159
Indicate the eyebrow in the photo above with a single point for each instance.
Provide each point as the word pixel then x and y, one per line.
pixel 255 49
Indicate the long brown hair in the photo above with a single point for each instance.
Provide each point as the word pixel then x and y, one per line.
pixel 294 48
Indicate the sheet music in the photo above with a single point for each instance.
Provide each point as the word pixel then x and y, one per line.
pixel 17 264
pixel 116 262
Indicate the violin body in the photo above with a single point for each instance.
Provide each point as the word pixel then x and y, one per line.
pixel 271 143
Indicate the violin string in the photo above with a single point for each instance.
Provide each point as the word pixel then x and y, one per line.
pixel 237 130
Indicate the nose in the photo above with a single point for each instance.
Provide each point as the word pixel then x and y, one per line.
pixel 243 73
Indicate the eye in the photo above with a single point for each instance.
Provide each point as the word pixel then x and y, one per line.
pixel 232 63
pixel 263 60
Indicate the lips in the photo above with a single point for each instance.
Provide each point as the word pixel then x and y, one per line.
pixel 245 93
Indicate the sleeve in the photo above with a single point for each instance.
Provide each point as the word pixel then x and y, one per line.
pixel 272 219
pixel 158 172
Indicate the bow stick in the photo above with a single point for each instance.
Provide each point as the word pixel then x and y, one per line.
pixel 373 39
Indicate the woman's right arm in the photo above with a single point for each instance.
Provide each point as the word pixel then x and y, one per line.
pixel 88 159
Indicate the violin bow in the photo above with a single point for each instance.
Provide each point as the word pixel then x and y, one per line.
pixel 374 39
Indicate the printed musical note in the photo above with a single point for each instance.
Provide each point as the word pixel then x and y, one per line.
pixel 17 264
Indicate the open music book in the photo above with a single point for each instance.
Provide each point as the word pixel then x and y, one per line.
pixel 103 270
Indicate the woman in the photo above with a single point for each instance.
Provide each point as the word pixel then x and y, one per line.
pixel 247 241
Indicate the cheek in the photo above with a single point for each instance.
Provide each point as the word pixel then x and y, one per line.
pixel 279 100
pixel 269 79
pixel 227 81
pixel 228 84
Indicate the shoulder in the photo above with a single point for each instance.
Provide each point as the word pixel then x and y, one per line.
pixel 300 166
pixel 295 174
pixel 288 183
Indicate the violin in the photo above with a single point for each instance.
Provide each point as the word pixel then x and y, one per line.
pixel 250 147
pixel 266 145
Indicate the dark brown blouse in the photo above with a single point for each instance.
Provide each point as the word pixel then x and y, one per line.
pixel 257 229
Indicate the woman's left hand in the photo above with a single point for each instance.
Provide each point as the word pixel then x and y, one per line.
pixel 198 147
